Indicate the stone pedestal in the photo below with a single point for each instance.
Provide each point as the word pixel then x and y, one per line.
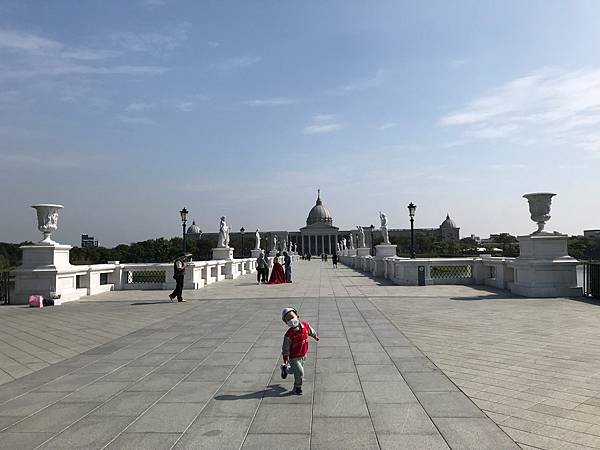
pixel 255 253
pixel 223 253
pixel 273 253
pixel 385 250
pixel 363 251
pixel 544 267
pixel 45 269
pixel 351 252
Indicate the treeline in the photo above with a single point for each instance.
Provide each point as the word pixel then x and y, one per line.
pixel 164 250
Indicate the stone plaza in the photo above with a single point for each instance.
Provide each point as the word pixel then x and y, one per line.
pixel 397 367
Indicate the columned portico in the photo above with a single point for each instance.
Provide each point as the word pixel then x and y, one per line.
pixel 319 233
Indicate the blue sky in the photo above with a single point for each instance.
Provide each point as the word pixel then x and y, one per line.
pixel 127 111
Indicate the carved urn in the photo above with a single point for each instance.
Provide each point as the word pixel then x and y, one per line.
pixel 47 216
pixel 539 208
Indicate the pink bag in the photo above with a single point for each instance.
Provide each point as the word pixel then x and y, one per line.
pixel 36 301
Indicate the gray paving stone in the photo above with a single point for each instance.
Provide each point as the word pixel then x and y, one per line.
pixel 22 441
pixel 29 403
pixel 405 418
pixel 88 433
pixel 277 442
pixel 178 366
pixel 371 357
pixel 340 404
pixel 157 382
pixel 167 418
pixel 473 433
pixel 210 373
pixel 240 407
pixel 99 391
pixel 388 392
pixel 209 433
pixel 329 433
pixel 429 381
pixel 417 364
pixel 7 421
pixel 448 404
pixel 128 373
pixel 337 382
pixel 412 441
pixel 143 441
pixel 128 404
pixel 192 392
pixel 247 381
pixel 336 366
pixel 378 372
pixel 54 418
pixel 69 383
pixel 271 419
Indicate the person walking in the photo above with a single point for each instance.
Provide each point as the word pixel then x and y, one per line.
pixel 179 266
pixel 287 263
pixel 334 259
pixel 262 267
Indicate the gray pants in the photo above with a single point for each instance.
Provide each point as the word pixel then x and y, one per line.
pixel 297 368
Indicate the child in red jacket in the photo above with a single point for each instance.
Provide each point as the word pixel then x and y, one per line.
pixel 295 346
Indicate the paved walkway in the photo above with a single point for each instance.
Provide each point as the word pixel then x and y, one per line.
pixel 204 374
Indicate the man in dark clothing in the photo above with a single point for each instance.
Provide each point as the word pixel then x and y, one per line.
pixel 262 268
pixel 179 266
pixel 287 264
pixel 334 258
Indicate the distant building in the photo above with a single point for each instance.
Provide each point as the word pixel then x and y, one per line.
pixel 88 241
pixel 193 233
pixel 591 233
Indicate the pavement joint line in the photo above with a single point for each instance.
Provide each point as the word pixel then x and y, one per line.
pixel 187 375
pixel 354 363
pixel 312 401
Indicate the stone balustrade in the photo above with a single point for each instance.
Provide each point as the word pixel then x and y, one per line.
pixel 485 270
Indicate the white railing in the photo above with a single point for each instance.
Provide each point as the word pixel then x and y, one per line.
pixel 484 270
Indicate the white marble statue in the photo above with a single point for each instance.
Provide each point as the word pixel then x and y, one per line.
pixel 337 246
pixel 351 242
pixel 384 228
pixel 257 234
pixel 223 234
pixel 47 215
pixel 285 246
pixel 275 242
pixel 344 244
pixel 361 237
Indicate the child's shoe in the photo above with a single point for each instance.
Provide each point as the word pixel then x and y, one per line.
pixel 298 390
pixel 284 372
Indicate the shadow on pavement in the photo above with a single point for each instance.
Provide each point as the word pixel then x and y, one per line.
pixel 275 390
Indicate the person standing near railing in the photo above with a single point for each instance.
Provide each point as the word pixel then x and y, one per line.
pixel 179 266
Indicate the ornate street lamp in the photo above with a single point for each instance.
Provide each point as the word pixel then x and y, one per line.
pixel 183 213
pixel 411 212
pixel 242 231
pixel 372 227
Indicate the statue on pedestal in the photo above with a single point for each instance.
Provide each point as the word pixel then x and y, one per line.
pixel 223 241
pixel 361 237
pixel 257 234
pixel 384 228
pixel 275 243
pixel 344 244
pixel 337 246
pixel 351 242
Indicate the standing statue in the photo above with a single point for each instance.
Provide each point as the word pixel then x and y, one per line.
pixel 384 228
pixel 351 242
pixel 361 237
pixel 285 244
pixel 337 246
pixel 257 234
pixel 223 234
pixel 344 244
pixel 275 242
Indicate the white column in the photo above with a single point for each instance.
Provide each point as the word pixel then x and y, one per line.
pixel 329 239
pixel 309 245
pixel 322 243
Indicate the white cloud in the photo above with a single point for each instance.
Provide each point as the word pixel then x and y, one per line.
pixel 213 44
pixel 139 106
pixel 361 85
pixel 273 101
pixel 26 41
pixel 550 105
pixel 321 129
pixel 386 126
pixel 508 166
pixel 152 4
pixel 152 42
pixel 135 120
pixel 457 63
pixel 185 106
pixel 323 117
pixel 236 62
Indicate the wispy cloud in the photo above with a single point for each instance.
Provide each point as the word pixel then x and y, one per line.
pixel 20 160
pixel 152 42
pixel 550 105
pixel 152 4
pixel 360 85
pixel 135 120
pixel 213 44
pixel 185 106
pixel 457 63
pixel 139 106
pixel 236 63
pixel 322 124
pixel 387 126
pixel 273 101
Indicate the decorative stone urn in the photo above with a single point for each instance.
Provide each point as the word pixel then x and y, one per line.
pixel 539 208
pixel 47 216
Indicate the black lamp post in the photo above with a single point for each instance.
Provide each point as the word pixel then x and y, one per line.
pixel 183 213
pixel 372 227
pixel 411 212
pixel 242 231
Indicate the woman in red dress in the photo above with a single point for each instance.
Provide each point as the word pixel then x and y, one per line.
pixel 277 274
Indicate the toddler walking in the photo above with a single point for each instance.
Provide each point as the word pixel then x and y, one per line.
pixel 295 346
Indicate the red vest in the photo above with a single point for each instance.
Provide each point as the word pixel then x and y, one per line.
pixel 299 338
